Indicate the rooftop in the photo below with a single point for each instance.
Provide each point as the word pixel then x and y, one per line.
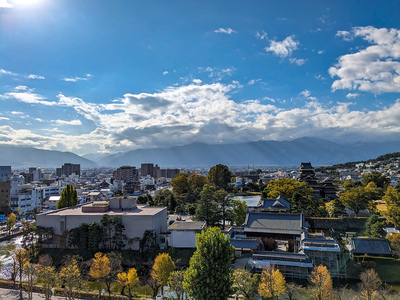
pixel 185 225
pixel 283 221
pixel 77 210
pixel 370 246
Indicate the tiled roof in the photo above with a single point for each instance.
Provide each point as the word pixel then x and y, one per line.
pixel 371 246
pixel 244 243
pixel 264 220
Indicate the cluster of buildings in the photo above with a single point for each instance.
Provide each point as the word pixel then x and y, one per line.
pixel 28 192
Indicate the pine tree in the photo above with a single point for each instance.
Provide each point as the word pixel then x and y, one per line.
pixel 210 274
pixel 69 197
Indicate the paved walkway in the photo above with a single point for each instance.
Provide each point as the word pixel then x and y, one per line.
pixel 8 294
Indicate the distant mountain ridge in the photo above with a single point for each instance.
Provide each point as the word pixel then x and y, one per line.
pixel 266 153
pixel 18 157
pixel 319 152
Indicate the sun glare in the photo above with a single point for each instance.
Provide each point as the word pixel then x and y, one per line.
pixel 26 2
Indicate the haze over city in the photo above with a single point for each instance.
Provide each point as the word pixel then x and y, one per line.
pixel 109 76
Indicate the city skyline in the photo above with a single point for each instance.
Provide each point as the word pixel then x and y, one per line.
pixel 91 76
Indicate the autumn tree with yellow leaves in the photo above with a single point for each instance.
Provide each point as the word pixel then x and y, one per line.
pixel 128 280
pixel 162 269
pixel 100 268
pixel 321 283
pixel 272 283
pixel 370 284
pixel 21 258
pixel 70 276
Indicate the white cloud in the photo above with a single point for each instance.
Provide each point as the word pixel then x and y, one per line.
pixel 321 51
pixel 33 76
pixel 5 72
pixel 21 88
pixel 4 118
pixel 225 30
pixel 352 95
pixel 376 68
pixel 17 113
pixel 72 122
pixel 253 81
pixel 345 35
pixel 29 97
pixel 200 112
pixel 297 61
pixel 5 4
pixel 218 73
pixel 261 36
pixel 75 79
pixel 165 72
pixel 197 81
pixel 283 48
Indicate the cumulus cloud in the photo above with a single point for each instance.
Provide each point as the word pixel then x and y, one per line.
pixel 199 112
pixel 165 72
pixel 376 68
pixel 75 79
pixel 5 4
pixel 283 48
pixel 225 30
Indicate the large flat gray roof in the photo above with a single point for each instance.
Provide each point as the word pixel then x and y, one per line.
pixel 77 210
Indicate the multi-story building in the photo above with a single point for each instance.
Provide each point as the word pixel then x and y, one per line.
pixel 69 169
pixel 5 187
pixel 127 174
pixel 147 169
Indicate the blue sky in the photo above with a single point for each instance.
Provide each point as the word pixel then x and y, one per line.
pixel 107 76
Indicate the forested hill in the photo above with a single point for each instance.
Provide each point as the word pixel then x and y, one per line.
pixel 386 158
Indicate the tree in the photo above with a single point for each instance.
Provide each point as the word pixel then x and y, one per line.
pixel 335 208
pixel 245 284
pixel 286 187
pixel 203 279
pixel 292 290
pixel 356 199
pixel 392 200
pixel 69 197
pixel 225 204
pixel 128 279
pixel 11 220
pixel 175 283
pixel 21 257
pixel 321 283
pixel 181 183
pixel 95 237
pixel 100 268
pixel 307 205
pixel 375 228
pixel 70 275
pixel 197 182
pixel 30 273
pixel 239 212
pixel 394 240
pixel 115 259
pixel 207 209
pixel 370 284
pixel 272 283
pixel 46 275
pixel 376 177
pixel 219 176
pixel 162 269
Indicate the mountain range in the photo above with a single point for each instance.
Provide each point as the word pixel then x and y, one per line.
pixel 262 153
